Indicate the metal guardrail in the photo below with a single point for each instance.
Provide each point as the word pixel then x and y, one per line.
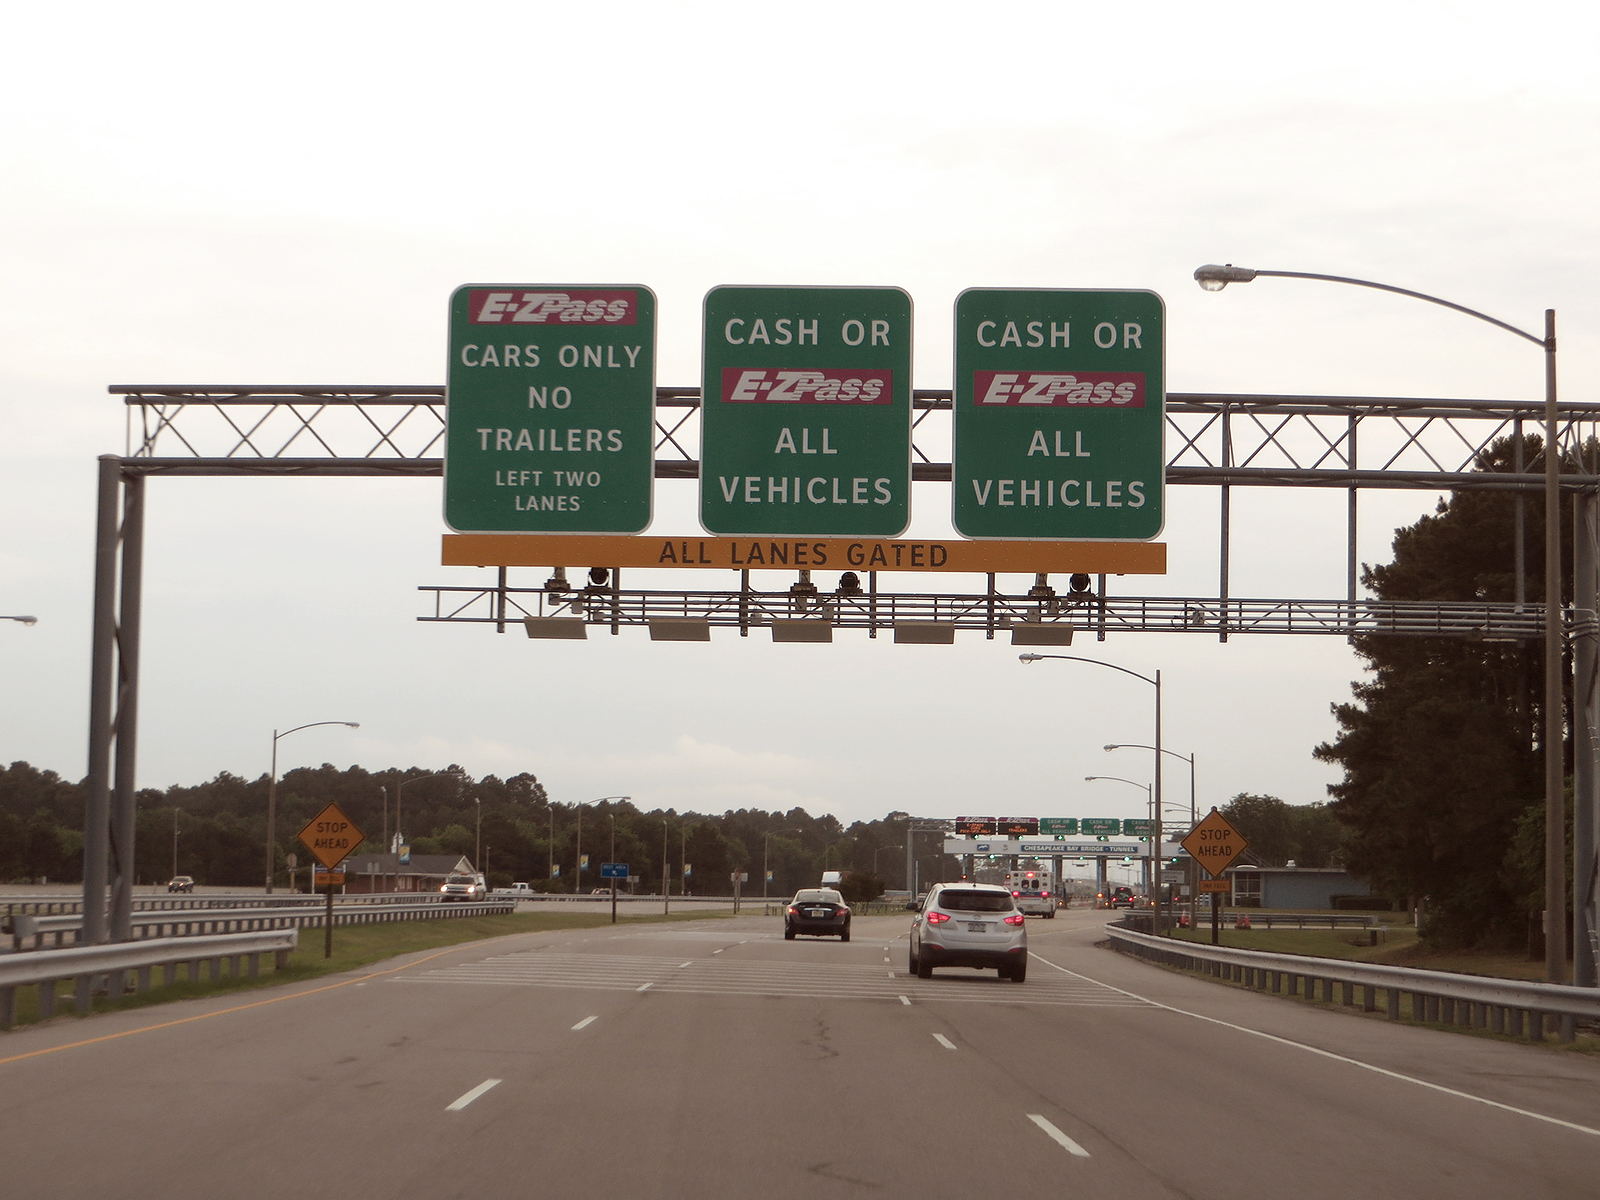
pixel 1510 1006
pixel 193 922
pixel 88 965
pixel 1270 920
pixel 56 905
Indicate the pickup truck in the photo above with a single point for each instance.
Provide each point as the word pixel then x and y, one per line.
pixel 463 887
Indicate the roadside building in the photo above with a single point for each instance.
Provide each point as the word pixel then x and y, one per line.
pixel 366 873
pixel 1293 887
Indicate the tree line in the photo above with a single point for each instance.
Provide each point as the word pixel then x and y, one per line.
pixel 216 831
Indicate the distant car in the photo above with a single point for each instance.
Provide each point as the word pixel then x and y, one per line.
pixel 1122 897
pixel 460 886
pixel 520 887
pixel 181 883
pixel 817 912
pixel 970 925
pixel 599 891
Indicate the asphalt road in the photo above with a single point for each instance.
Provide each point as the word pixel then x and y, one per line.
pixel 714 1059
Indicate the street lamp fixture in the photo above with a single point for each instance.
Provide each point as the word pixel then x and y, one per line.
pixel 1214 278
pixel 272 790
pixel 24 620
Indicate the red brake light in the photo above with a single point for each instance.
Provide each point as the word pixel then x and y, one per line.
pixel 1045 895
pixel 1015 919
pixel 791 908
pixel 938 918
pixel 1014 895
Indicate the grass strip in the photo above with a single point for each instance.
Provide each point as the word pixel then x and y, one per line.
pixel 353 946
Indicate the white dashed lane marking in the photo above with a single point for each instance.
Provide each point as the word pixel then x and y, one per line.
pixel 944 1041
pixel 461 1102
pixel 1056 1136
pixel 735 977
pixel 584 1024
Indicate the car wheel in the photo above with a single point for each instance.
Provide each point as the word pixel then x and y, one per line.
pixel 911 962
pixel 845 936
pixel 788 934
pixel 924 969
pixel 1019 972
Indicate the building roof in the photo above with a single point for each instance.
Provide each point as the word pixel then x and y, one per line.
pixel 420 864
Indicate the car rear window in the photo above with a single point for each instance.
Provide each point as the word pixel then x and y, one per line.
pixel 952 901
pixel 818 897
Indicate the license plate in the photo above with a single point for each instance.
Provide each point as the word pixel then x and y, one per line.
pixel 977 927
pixel 820 912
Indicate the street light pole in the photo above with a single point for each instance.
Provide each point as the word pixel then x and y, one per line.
pixel 272 792
pixel 1159 916
pixel 399 792
pixel 577 857
pixel 879 851
pixel 666 880
pixel 766 840
pixel 1214 278
pixel 1193 812
pixel 477 853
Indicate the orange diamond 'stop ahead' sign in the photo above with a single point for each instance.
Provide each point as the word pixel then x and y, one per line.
pixel 331 836
pixel 1214 843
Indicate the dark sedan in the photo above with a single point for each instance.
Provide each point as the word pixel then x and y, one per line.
pixel 817 912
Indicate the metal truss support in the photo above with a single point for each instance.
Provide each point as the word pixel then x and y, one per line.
pixel 989 612
pixel 110 817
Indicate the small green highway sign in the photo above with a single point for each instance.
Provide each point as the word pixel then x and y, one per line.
pixel 550 409
pixel 1059 414
pixel 1058 825
pixel 805 412
pixel 1138 827
pixel 1101 826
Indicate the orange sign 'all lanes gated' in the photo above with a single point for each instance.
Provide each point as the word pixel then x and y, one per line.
pixel 1215 844
pixel 331 836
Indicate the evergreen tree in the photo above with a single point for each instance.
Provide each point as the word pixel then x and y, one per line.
pixel 1440 748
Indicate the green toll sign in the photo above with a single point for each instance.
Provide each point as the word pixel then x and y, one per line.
pixel 550 409
pixel 806 412
pixel 1059 414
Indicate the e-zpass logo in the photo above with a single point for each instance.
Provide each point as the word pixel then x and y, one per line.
pixel 486 307
pixel 1097 389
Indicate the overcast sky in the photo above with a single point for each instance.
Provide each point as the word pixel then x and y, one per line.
pixel 194 194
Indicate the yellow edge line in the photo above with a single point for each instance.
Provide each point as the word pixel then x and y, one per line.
pixel 222 1012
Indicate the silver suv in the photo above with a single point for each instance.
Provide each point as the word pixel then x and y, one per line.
pixel 969 925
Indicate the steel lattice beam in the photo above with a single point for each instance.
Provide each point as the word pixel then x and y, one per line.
pixel 1356 442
